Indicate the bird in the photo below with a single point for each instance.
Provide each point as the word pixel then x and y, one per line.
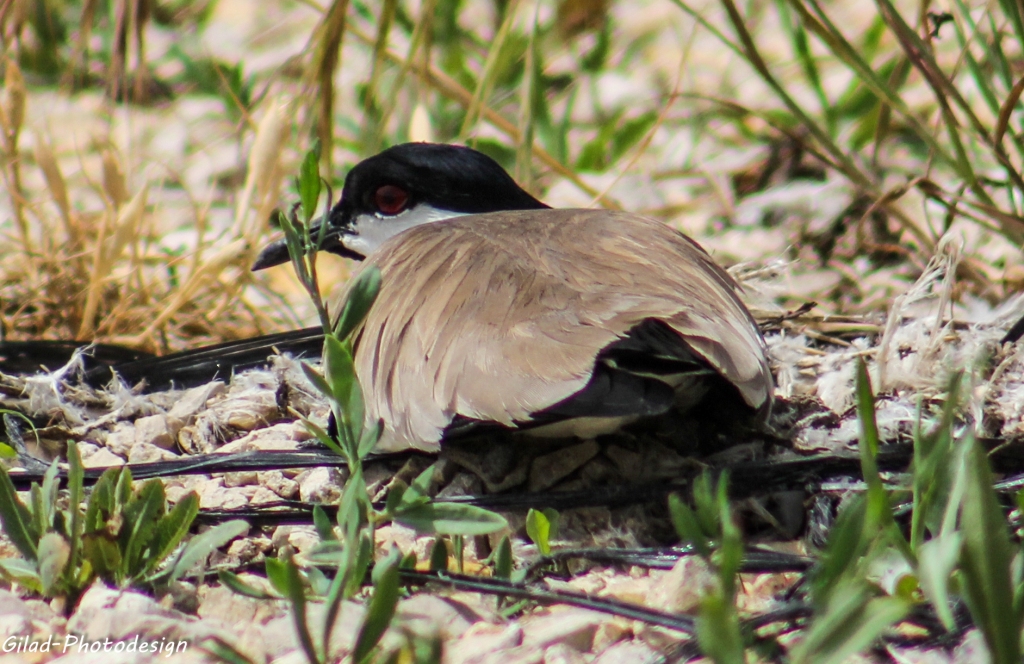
pixel 499 313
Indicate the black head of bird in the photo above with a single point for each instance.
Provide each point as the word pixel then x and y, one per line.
pixel 407 185
pixel 496 311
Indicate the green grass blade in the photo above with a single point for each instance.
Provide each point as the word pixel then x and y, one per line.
pixel 381 609
pixel 986 559
pixel 16 518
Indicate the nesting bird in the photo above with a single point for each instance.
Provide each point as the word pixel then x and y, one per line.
pixel 497 312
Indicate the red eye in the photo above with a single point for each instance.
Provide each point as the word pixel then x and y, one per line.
pixel 390 199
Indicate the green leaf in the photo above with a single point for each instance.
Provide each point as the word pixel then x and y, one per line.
pixel 322 437
pixel 324 527
pixel 309 183
pixel 843 550
pixel 171 529
pixel 103 554
pixel 630 133
pixel 222 651
pixel 986 559
pixel 370 437
pixel 594 60
pixel 503 559
pixel 358 301
pixel 23 572
pixel 936 561
pixel 319 584
pixel 277 575
pixel 729 555
pixel 933 459
pixel 381 609
pixel 459 544
pixel 685 522
pixel 140 519
pixel 418 492
pixel 553 520
pixel 439 555
pixel 718 631
pixel 360 563
pixel 395 495
pixel 339 370
pixel 123 487
pixel 451 519
pixel 878 515
pixel 317 379
pixel 36 509
pixel 354 508
pixel 231 580
pixel 296 594
pixel 203 544
pixel 54 552
pixel 868 426
pixel 538 529
pixel 850 624
pixel 17 520
pixel 101 501
pixel 76 479
pixel 49 497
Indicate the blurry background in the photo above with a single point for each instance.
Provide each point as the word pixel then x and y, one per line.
pixel 824 151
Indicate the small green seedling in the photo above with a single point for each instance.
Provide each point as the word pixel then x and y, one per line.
pixel 126 536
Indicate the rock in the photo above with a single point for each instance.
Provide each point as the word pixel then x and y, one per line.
pixel 14 625
pixel 500 466
pixel 681 589
pixel 560 653
pixel 243 478
pixel 281 436
pixel 214 495
pixel 12 605
pixel 320 485
pixel 547 470
pixel 246 549
pixel 119 441
pixel 175 488
pixel 275 481
pixel 156 430
pixel 463 484
pixel 346 627
pixel 426 614
pixel 303 538
pixel 103 458
pixel 629 464
pixel 119 616
pixel 147 453
pixel 406 539
pixel 610 633
pixel 194 400
pixel 234 610
pixel 483 639
pixel 628 589
pixel 516 655
pixel 570 626
pixel 627 652
pixel 192 441
pixel 262 496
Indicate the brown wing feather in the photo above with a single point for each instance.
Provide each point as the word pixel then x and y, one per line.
pixel 498 316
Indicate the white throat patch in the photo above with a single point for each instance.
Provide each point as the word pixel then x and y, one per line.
pixel 371 230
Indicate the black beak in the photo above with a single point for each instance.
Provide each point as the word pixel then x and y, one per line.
pixel 276 253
